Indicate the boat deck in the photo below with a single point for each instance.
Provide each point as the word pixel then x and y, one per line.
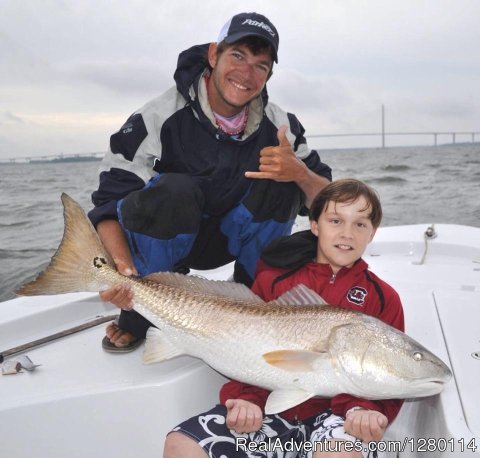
pixel 83 401
pixel 441 298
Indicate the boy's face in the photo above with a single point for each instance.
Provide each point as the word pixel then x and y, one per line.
pixel 238 77
pixel 344 230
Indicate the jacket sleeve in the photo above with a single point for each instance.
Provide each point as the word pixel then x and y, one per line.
pixel 128 163
pixel 114 184
pixel 341 403
pixel 238 390
pixel 126 167
pixel 392 314
pixel 264 279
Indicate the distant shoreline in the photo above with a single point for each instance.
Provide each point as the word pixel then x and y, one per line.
pixel 65 159
pixel 52 160
pixel 95 157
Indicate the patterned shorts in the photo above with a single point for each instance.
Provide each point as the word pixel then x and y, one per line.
pixel 277 438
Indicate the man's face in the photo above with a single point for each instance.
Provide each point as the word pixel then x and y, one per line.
pixel 238 77
pixel 344 230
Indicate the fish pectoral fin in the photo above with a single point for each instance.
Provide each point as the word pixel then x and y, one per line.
pixel 158 348
pixel 280 400
pixel 194 284
pixel 293 360
pixel 299 295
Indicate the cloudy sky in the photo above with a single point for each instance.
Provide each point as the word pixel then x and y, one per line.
pixel 71 71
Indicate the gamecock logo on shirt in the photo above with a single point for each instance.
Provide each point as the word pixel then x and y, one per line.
pixel 357 295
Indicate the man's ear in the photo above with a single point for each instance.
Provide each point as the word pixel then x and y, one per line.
pixel 212 54
pixel 372 234
pixel 314 227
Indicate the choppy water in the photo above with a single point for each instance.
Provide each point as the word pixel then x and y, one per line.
pixel 416 185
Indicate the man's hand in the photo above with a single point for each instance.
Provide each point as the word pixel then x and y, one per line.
pixel 112 236
pixel 243 416
pixel 279 163
pixel 367 425
pixel 121 295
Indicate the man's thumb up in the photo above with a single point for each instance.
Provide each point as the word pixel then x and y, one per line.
pixel 282 136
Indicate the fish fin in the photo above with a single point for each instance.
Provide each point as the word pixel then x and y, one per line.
pixel 158 348
pixel 299 295
pixel 281 400
pixel 192 283
pixel 72 268
pixel 293 360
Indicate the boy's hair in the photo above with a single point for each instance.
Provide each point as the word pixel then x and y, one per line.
pixel 344 191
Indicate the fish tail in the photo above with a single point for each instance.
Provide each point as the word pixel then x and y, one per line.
pixel 73 267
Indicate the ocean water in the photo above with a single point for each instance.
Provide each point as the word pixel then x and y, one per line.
pixel 415 184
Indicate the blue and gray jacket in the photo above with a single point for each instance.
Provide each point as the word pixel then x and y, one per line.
pixel 176 133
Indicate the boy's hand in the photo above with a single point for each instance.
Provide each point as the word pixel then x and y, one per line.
pixel 243 416
pixel 367 425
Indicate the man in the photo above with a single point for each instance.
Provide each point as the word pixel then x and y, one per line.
pixel 193 179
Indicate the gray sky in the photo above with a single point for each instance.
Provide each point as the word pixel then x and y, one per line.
pixel 72 71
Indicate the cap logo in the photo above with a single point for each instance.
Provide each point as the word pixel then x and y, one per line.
pixel 259 24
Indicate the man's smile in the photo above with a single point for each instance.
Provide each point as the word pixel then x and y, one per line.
pixel 239 85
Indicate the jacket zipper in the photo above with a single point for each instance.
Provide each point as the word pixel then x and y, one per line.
pixel 332 279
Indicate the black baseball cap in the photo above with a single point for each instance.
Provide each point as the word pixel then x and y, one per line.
pixel 247 24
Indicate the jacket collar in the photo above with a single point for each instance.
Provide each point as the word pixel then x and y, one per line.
pixel 358 267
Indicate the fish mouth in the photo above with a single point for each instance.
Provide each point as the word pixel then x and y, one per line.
pixel 409 389
pixel 434 383
pixel 429 387
pixel 441 378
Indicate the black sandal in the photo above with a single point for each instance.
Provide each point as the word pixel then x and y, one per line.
pixel 112 348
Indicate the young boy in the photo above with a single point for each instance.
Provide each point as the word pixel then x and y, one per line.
pixel 343 220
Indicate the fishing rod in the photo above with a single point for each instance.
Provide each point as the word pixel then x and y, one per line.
pixel 57 335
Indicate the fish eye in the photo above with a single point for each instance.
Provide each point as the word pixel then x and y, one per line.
pixel 417 356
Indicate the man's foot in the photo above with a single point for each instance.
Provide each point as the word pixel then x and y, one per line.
pixel 119 341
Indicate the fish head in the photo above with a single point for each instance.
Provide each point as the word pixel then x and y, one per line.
pixel 377 361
